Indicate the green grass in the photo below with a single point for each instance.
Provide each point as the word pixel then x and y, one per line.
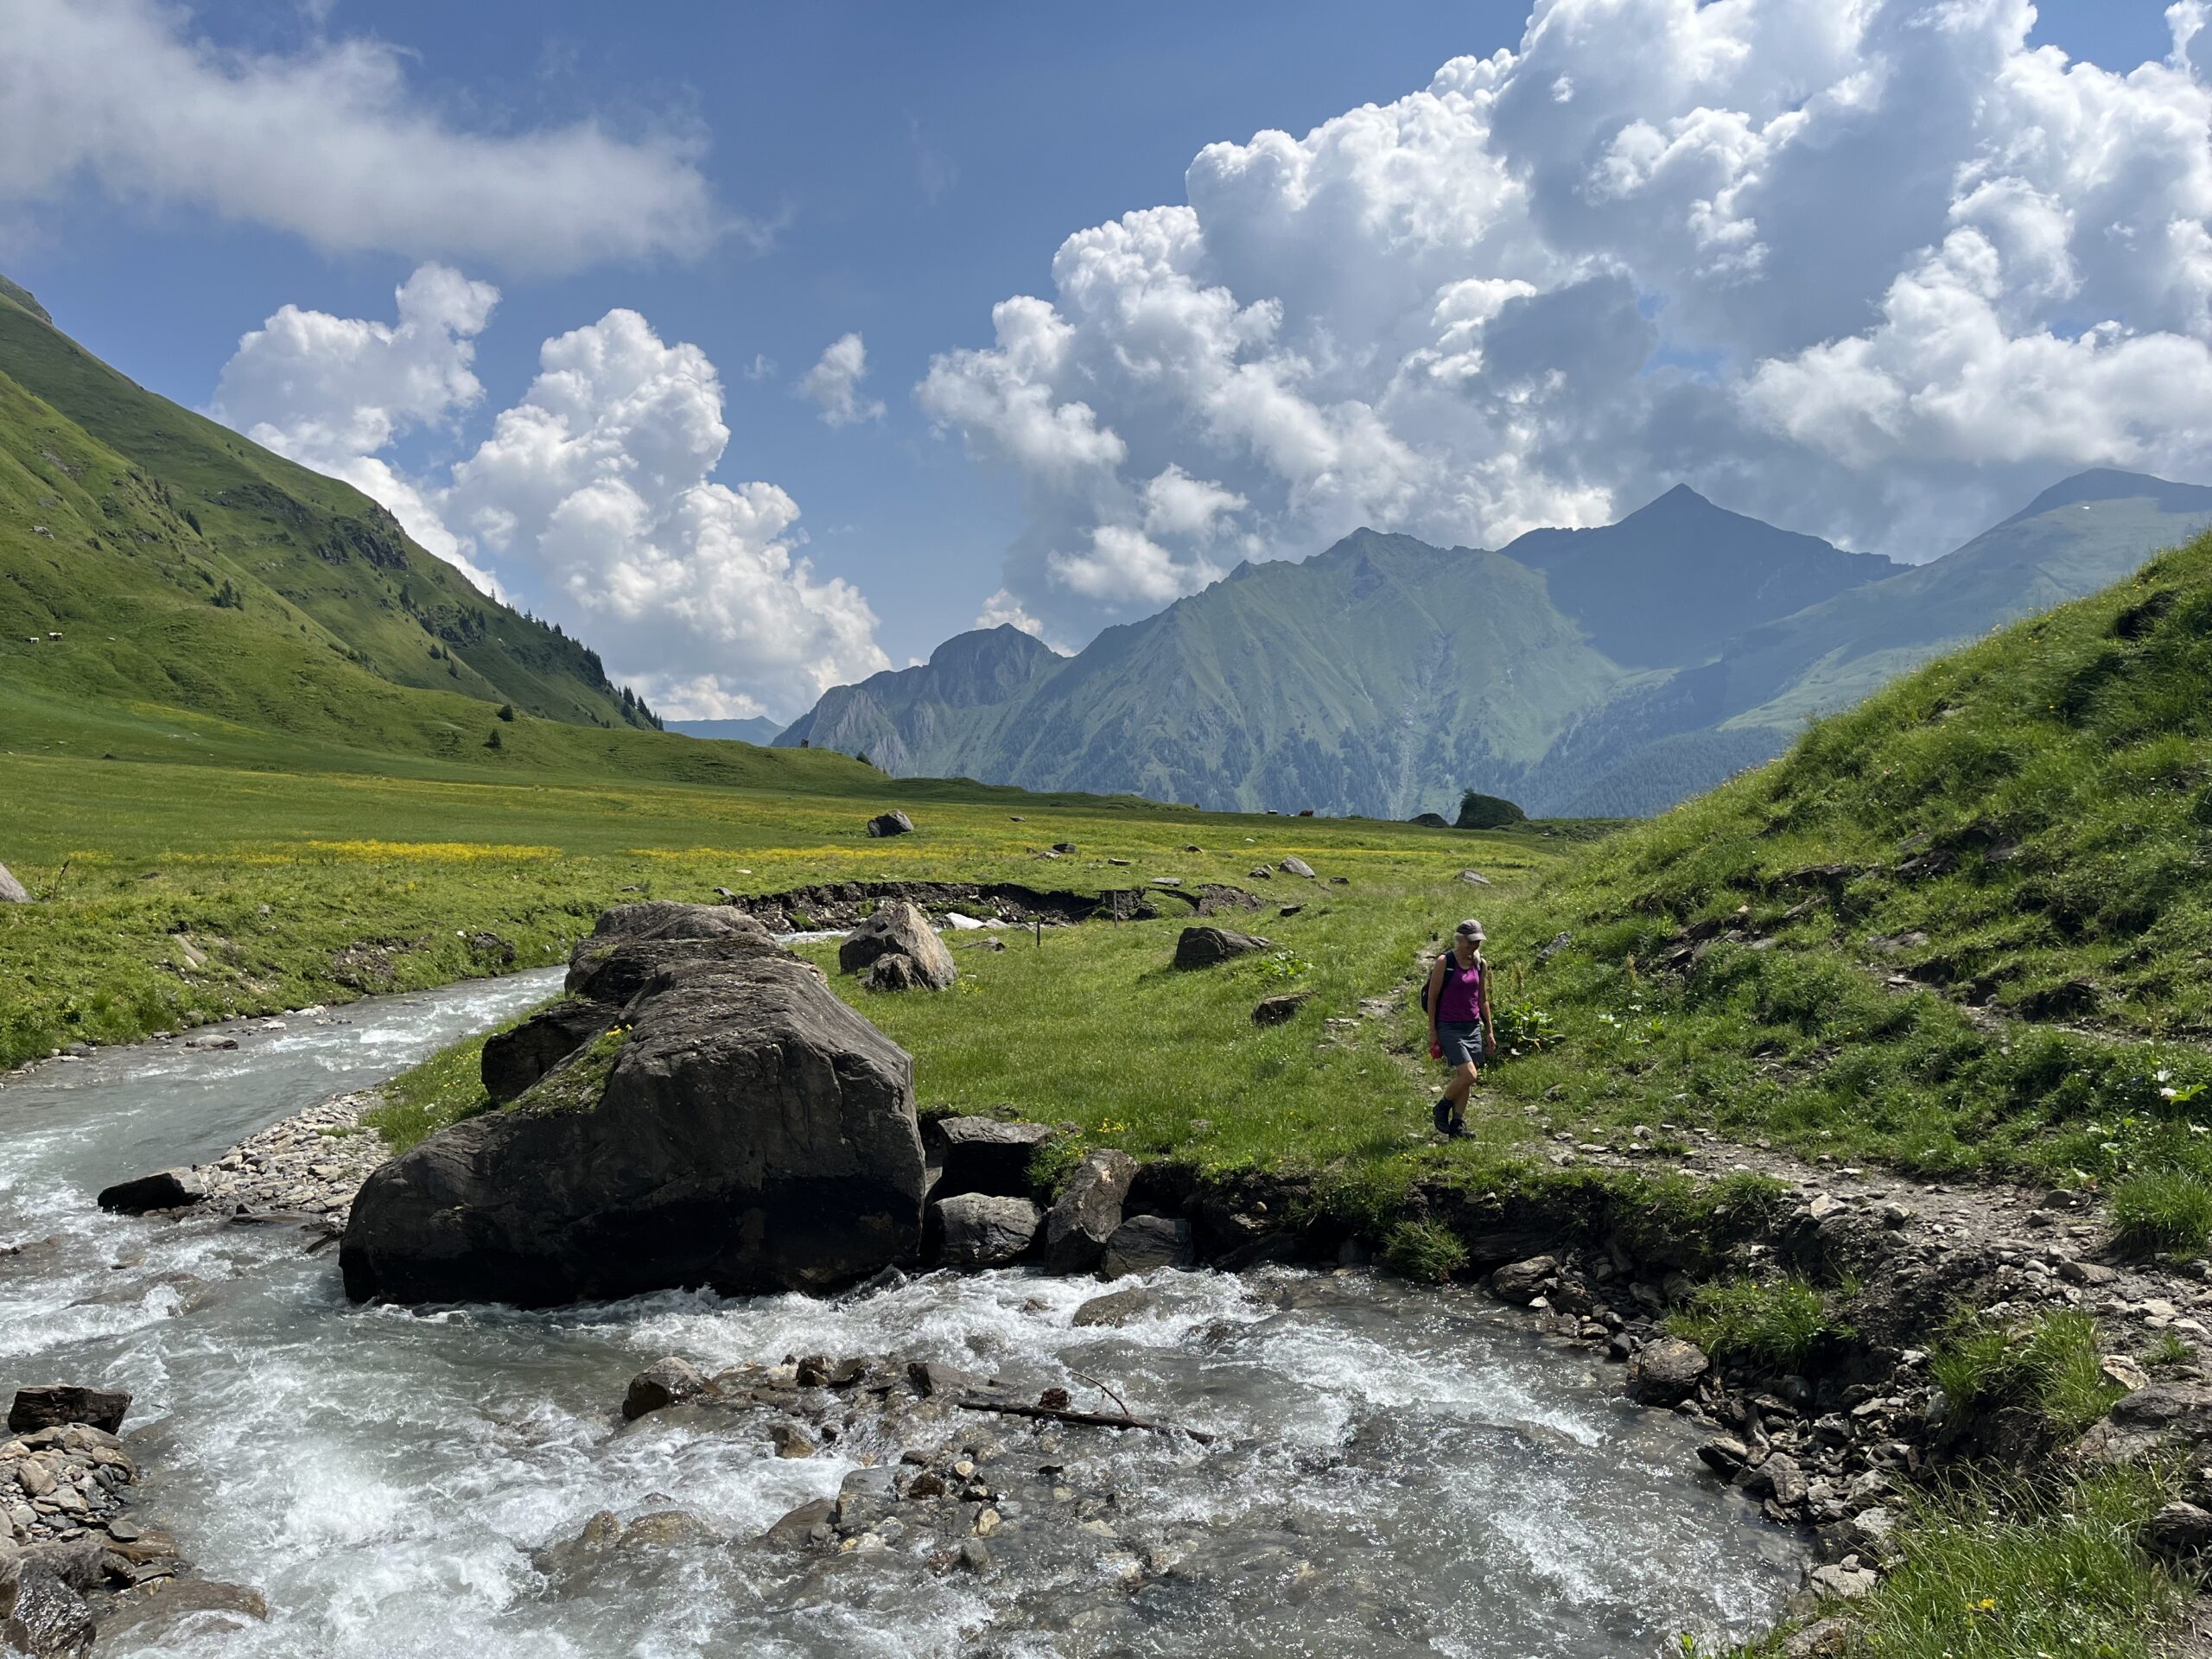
pixel 433 1095
pixel 2059 776
pixel 2164 1209
pixel 2051 1366
pixel 2003 1570
pixel 1771 1325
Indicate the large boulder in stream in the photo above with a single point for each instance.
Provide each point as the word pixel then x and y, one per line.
pixel 733 1124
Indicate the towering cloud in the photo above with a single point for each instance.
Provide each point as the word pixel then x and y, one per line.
pixel 593 498
pixel 1871 270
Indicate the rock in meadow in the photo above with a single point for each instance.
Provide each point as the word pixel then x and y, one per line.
pixel 893 822
pixel 983 1154
pixel 1206 947
pixel 56 1404
pixel 1280 1009
pixel 1666 1372
pixel 750 1132
pixel 1296 866
pixel 899 929
pixel 1474 878
pixel 1088 1211
pixel 977 1230
pixel 12 892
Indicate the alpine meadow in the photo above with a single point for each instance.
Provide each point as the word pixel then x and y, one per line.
pixel 873 830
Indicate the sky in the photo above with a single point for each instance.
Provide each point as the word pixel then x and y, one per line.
pixel 765 346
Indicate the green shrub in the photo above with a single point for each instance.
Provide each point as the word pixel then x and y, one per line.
pixel 2166 1210
pixel 1424 1250
pixel 1769 1324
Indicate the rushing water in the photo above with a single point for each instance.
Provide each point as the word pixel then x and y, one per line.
pixel 1398 1472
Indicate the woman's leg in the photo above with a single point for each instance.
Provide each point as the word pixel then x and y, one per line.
pixel 1462 1083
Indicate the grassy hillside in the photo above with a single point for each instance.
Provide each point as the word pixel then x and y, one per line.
pixel 1966 925
pixel 183 565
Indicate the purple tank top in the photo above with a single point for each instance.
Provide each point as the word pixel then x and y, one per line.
pixel 1460 1001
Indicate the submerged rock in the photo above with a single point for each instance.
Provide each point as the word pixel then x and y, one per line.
pixel 665 1382
pixel 748 1131
pixel 165 1189
pixel 167 1611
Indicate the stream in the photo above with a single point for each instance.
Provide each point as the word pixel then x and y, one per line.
pixel 1397 1471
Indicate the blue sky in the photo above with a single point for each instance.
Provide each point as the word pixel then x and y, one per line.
pixel 897 170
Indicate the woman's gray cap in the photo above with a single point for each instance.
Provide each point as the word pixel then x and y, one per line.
pixel 1470 928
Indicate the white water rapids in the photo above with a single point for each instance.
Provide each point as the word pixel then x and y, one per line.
pixel 1399 1472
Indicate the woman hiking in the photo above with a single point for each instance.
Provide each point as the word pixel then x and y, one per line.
pixel 1459 1028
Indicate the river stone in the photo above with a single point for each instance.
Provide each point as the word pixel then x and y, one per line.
pixel 1144 1242
pixel 1116 1307
pixel 56 1404
pixel 1204 947
pixel 48 1620
pixel 665 1382
pixel 1823 1639
pixel 155 1616
pixel 515 1059
pixel 893 822
pixel 983 1154
pixel 977 1230
pixel 1521 1283
pixel 12 892
pixel 752 1134
pixel 799 1526
pixel 1845 1583
pixel 166 1189
pixel 898 929
pixel 1088 1211
pixel 1665 1372
pixel 1296 866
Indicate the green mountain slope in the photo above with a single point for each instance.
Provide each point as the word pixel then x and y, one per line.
pixel 121 513
pixel 940 719
pixel 1968 923
pixel 1674 581
pixel 1585 673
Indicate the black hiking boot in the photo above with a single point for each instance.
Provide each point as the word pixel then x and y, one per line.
pixel 1456 1128
pixel 1443 1115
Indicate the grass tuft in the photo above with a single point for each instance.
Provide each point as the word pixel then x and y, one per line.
pixel 2164 1209
pixel 1773 1325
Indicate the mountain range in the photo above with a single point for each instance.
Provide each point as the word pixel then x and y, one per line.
pixel 1581 672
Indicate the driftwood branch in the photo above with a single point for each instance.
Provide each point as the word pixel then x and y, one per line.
pixel 1084 1419
pixel 1103 1386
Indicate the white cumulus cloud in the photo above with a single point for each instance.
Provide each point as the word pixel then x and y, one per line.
pixel 329 143
pixel 1879 271
pixel 594 496
pixel 833 385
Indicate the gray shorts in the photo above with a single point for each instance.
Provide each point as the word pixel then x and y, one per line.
pixel 1463 1045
